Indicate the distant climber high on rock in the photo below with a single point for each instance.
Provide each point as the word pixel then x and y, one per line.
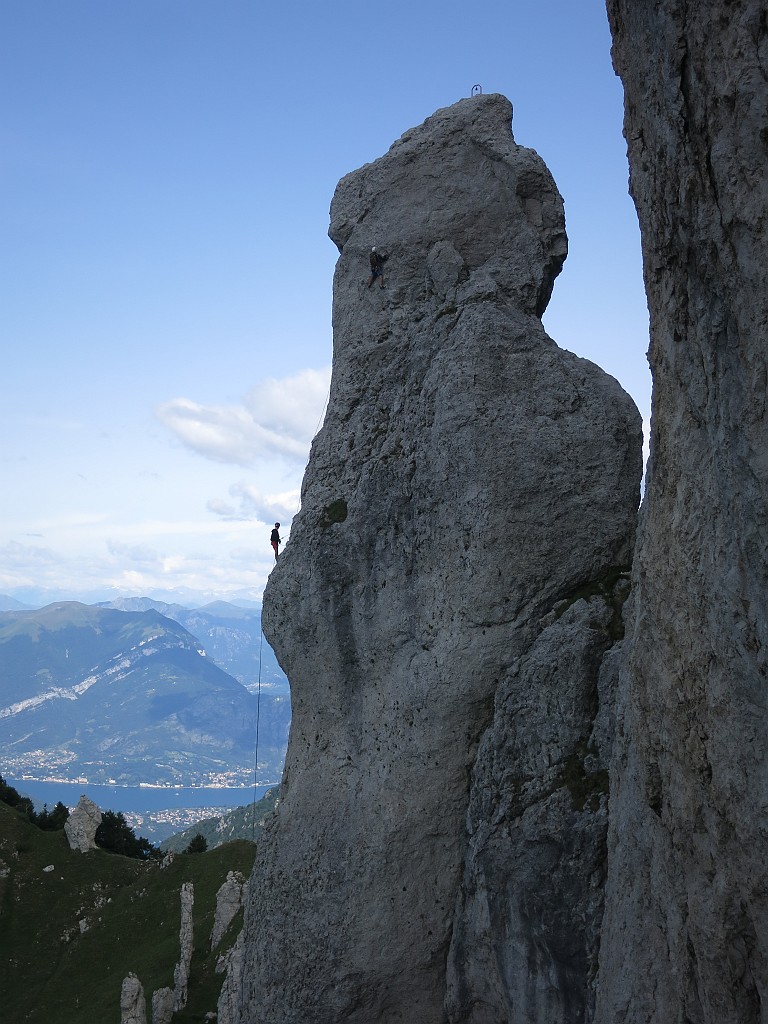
pixel 377 266
pixel 275 539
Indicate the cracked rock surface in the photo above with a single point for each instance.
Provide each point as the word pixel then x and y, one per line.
pixel 686 927
pixel 468 477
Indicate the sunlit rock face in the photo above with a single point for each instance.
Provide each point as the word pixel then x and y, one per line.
pixel 686 928
pixel 471 479
pixel 82 825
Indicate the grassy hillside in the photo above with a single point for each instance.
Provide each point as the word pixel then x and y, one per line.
pixel 53 971
pixel 240 823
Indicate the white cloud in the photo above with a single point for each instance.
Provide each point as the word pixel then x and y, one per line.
pixel 267 508
pixel 256 505
pixel 221 508
pixel 277 418
pixel 14 555
pixel 163 539
pixel 292 406
pixel 133 552
pixel 193 560
pixel 247 555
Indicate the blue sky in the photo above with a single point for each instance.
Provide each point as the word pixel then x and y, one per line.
pixel 166 169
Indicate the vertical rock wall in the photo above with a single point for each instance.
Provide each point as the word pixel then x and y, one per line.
pixel 526 935
pixel 686 928
pixel 470 477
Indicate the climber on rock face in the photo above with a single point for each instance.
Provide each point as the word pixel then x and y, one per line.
pixel 275 539
pixel 377 266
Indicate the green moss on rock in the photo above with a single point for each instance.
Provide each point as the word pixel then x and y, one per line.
pixel 334 513
pixel 586 788
pixel 605 587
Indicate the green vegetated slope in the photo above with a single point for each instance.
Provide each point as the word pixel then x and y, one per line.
pixel 51 971
pixel 239 823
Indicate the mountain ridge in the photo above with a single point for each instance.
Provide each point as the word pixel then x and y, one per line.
pixel 126 696
pixel 231 635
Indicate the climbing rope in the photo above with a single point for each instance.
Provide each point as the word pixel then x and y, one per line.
pixel 322 414
pixel 317 430
pixel 256 764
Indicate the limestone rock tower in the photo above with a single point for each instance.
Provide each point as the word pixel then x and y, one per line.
pixel 470 482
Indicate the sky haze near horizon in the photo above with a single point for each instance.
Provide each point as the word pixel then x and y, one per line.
pixel 167 169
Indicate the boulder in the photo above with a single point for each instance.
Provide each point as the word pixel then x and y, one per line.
pixel 469 477
pixel 82 824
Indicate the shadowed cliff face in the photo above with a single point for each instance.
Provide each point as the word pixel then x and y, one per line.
pixel 468 477
pixel 686 932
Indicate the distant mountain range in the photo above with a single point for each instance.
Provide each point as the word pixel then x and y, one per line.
pixel 230 635
pixel 132 696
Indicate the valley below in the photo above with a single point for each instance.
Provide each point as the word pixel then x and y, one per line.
pixel 129 706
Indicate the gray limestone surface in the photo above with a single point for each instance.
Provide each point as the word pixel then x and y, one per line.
pixel 82 824
pixel 686 926
pixel 133 1005
pixel 526 936
pixel 162 1006
pixel 469 477
pixel 231 965
pixel 186 947
pixel 229 900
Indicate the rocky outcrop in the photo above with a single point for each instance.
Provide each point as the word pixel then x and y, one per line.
pixel 82 824
pixel 162 1006
pixel 168 1001
pixel 526 935
pixel 133 1005
pixel 230 964
pixel 186 947
pixel 229 901
pixel 470 482
pixel 686 927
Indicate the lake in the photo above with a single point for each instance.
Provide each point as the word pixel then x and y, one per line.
pixel 135 798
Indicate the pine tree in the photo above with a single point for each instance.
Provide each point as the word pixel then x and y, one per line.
pixel 197 845
pixel 116 835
